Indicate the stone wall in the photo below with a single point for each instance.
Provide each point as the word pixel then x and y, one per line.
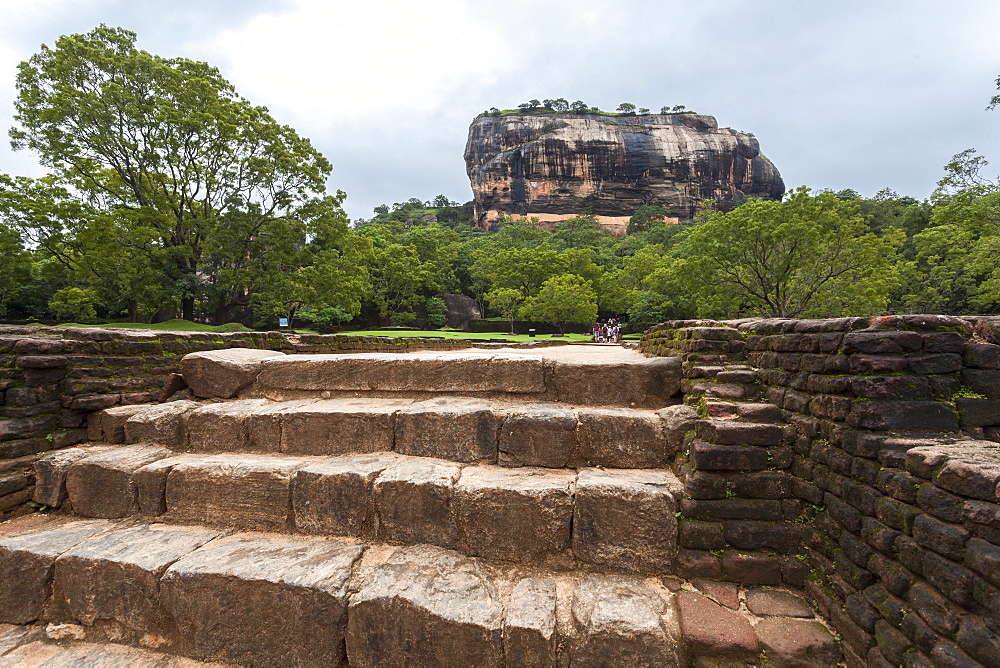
pixel 51 378
pixel 886 477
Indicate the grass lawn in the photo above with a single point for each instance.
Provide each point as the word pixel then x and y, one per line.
pixel 177 325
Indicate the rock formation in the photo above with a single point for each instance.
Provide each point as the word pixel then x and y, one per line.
pixel 554 166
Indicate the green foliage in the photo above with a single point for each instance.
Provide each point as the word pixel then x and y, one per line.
pixel 437 313
pixel 507 301
pixel 561 300
pixel 74 304
pixel 645 216
pixel 806 256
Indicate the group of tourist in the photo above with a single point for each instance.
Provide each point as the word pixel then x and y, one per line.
pixel 608 332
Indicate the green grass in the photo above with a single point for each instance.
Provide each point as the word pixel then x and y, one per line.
pixel 177 325
pixel 453 334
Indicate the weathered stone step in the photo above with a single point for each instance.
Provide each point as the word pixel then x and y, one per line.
pixel 622 518
pixel 270 599
pixel 610 378
pixel 461 429
pixel 62 645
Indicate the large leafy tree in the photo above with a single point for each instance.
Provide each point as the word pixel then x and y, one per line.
pixel 195 175
pixel 561 300
pixel 804 257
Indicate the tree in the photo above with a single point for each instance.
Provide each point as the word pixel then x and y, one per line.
pixel 809 256
pixel 562 300
pixel 507 301
pixel 15 264
pixel 560 104
pixel 398 281
pixel 73 304
pixel 643 111
pixel 437 313
pixel 580 107
pixel 644 217
pixel 626 108
pixel 664 111
pixel 167 147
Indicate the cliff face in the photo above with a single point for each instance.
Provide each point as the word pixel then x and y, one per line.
pixel 556 166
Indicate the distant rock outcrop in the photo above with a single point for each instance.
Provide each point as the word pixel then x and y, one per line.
pixel 554 166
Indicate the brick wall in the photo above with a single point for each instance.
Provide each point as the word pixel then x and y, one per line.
pixel 885 504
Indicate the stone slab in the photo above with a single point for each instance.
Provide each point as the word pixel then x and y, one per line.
pixel 426 606
pixel 335 496
pixel 112 421
pixel 414 501
pixel 406 372
pixel 163 424
pixel 529 627
pixel 715 631
pixel 521 514
pixel 798 643
pixel 340 426
pixel 623 618
pixel 113 578
pixel 264 424
pixel 249 598
pixel 626 519
pixel 27 562
pixel 233 490
pixel 648 383
pixel 223 373
pixel 619 438
pixel 454 428
pixel 222 427
pixel 102 485
pixel 537 435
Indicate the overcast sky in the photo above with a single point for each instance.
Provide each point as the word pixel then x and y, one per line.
pixel 862 94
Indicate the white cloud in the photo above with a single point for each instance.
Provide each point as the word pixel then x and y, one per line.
pixel 320 61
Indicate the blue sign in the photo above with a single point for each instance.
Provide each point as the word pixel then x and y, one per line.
pixel 282 322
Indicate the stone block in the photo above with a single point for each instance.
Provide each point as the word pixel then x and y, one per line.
pixel 520 515
pixel 983 381
pixel 335 496
pixel 946 539
pixel 223 373
pixel 623 618
pixel 462 430
pixel 798 643
pixel 264 425
pixel 529 627
pixel 102 486
pixel 113 578
pixel 626 519
pixel 233 490
pixel 164 424
pixel 882 342
pixel 340 426
pixel 425 606
pixel 619 438
pixel 27 562
pixel 711 630
pixel 725 432
pixel 711 457
pixel 537 435
pixel 978 412
pixel 151 483
pixel 979 479
pixel 752 567
pixel 907 388
pixel 414 501
pixel 935 364
pixel 903 416
pixel 222 427
pixel 649 383
pixel 50 476
pixel 455 372
pixel 982 356
pixel 253 598
pixel 112 421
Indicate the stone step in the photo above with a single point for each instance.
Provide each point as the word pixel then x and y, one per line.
pixel 461 429
pixel 271 599
pixel 576 376
pixel 621 518
pixel 63 645
pixel 745 412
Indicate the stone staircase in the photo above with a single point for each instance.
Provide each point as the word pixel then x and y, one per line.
pixel 422 509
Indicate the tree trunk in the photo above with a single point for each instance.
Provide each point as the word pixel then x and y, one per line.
pixel 133 310
pixel 187 308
